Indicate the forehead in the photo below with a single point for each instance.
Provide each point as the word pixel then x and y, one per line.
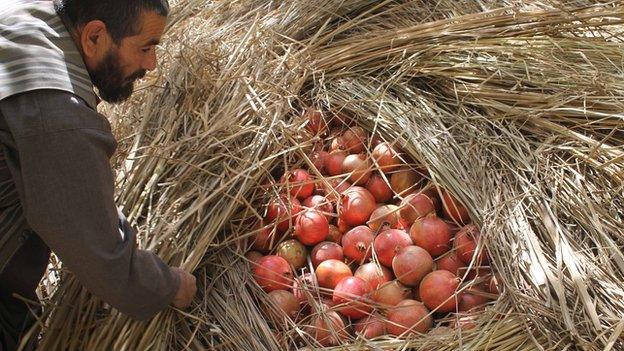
pixel 151 28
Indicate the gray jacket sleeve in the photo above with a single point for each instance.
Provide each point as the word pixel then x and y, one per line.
pixel 62 150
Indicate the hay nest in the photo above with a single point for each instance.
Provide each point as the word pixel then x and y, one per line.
pixel 515 107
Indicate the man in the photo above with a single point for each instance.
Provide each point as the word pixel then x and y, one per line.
pixel 56 184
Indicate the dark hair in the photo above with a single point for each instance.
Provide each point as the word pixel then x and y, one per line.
pixel 120 16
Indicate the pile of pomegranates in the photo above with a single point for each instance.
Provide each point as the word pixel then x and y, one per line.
pixel 360 241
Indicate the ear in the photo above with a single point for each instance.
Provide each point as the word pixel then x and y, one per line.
pixel 94 39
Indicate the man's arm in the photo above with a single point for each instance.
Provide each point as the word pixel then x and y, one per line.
pixel 66 187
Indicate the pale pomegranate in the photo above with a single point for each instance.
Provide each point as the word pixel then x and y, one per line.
pixel 330 272
pixel 357 242
pixel 282 304
pixel 354 139
pixel 299 183
pixel 324 251
pixel 379 188
pixel 388 243
pixel 311 227
pixel 408 317
pixel 453 209
pixel 411 264
pixel 273 273
pixel 352 297
pixel 384 215
pixel 405 181
pixel 356 206
pixel 415 206
pixel 438 291
pixel 432 234
pixel 465 244
pixel 391 293
pixel 374 274
pixel 358 168
pixel 371 326
pixel 386 157
pixel 293 252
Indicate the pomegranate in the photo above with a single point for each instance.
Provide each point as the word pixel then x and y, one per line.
pixel 320 203
pixel 299 182
pixel 265 238
pixel 371 326
pixel 472 299
pixel 282 210
pixel 352 297
pixel 354 139
pixel 328 328
pixel 391 293
pixel 326 250
pixel 330 272
pixel 253 257
pixel 380 189
pixel 374 274
pixel 384 214
pixel 303 287
pixel 337 143
pixel 293 252
pixel 315 121
pixel 311 227
pixel 282 304
pixel 438 291
pixel 408 317
pixel 454 210
pixel 404 181
pixel 343 227
pixel 431 192
pixel 319 158
pixel 358 167
pixel 388 243
pixel 333 162
pixel 415 206
pixel 411 264
pixel 495 285
pixel 386 157
pixel 341 120
pixel 402 224
pixel 375 140
pixel 450 262
pixel 272 273
pixel 356 244
pixel 466 244
pixel 356 206
pixel 432 234
pixel 334 234
pixel 334 188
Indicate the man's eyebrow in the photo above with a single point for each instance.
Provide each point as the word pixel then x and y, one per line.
pixel 152 41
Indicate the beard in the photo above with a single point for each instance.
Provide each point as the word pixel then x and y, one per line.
pixel 108 77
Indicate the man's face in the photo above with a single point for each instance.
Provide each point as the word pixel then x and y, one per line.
pixel 122 64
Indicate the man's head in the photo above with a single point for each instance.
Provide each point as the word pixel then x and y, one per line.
pixel 117 39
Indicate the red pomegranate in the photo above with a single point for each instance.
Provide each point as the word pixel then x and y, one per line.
pixel 408 317
pixel 411 264
pixel 415 206
pixel 320 203
pixel 330 272
pixel 293 252
pixel 450 262
pixel 356 244
pixel 465 244
pixel 391 293
pixel 299 182
pixel 384 214
pixel 358 168
pixel 333 162
pixel 315 121
pixel 265 238
pixel 326 250
pixel 473 299
pixel 354 139
pixel 352 297
pixel 438 291
pixel 432 234
pixel 334 234
pixel 371 326
pixel 356 206
pixel 388 243
pixel 432 193
pixel 404 181
pixel 380 189
pixel 304 287
pixel 282 304
pixel 373 273
pixel 387 157
pixel 342 226
pixel 272 273
pixel 311 227
pixel 453 209
pixel 333 189
pixel 319 158
pixel 282 210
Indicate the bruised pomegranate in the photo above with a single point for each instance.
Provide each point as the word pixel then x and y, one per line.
pixel 432 234
pixel 356 206
pixel 450 262
pixel 282 210
pixel 391 293
pixel 326 250
pixel 282 304
pixel 388 243
pixel 453 209
pixel 411 264
pixel 354 139
pixel 293 252
pixel 311 227
pixel 408 317
pixel 358 167
pixel 384 214
pixel 386 157
pixel 328 328
pixel 374 274
pixel 352 297
pixel 404 181
pixel 334 234
pixel 438 291
pixel 299 182
pixel 466 244
pixel 356 244
pixel 272 273
pixel 333 162
pixel 371 326
pixel 330 272
pixel 379 188
pixel 415 206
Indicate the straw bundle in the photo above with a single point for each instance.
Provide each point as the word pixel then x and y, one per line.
pixel 514 107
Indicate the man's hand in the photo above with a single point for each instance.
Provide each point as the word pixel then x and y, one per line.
pixel 187 289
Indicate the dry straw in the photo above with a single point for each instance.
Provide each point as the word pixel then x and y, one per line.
pixel 516 107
